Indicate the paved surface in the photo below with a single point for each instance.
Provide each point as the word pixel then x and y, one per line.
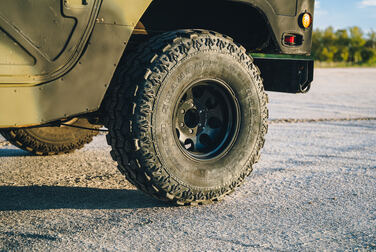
pixel 314 188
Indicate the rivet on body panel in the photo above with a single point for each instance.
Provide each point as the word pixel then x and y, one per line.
pixel 100 20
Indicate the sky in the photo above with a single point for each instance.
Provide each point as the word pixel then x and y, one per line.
pixel 345 13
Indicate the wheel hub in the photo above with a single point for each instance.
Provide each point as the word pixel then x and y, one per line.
pixel 206 119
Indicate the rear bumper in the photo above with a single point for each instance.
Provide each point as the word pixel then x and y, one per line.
pixel 285 73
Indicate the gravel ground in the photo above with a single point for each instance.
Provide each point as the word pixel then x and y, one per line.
pixel 314 188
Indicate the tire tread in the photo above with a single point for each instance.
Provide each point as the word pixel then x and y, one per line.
pixel 136 84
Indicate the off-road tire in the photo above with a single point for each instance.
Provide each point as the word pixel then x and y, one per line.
pixel 143 99
pixel 47 141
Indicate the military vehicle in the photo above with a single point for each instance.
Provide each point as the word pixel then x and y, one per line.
pixel 180 85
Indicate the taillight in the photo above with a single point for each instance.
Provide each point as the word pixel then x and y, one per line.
pixel 292 39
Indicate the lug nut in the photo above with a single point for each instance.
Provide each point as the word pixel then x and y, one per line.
pixel 191 131
pixel 182 111
pixel 181 124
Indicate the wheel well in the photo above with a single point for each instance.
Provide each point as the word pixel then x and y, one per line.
pixel 244 23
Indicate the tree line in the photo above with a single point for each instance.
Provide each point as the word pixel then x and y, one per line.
pixel 350 45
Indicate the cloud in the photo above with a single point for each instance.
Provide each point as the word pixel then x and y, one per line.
pixel 367 3
pixel 318 10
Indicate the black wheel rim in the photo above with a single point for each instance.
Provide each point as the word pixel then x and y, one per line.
pixel 206 120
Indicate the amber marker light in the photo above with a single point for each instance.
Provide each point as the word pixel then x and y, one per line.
pixel 306 20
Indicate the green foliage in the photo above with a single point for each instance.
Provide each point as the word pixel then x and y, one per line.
pixel 342 54
pixel 368 55
pixel 347 46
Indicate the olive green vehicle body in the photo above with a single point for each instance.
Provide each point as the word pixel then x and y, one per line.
pixel 58 57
